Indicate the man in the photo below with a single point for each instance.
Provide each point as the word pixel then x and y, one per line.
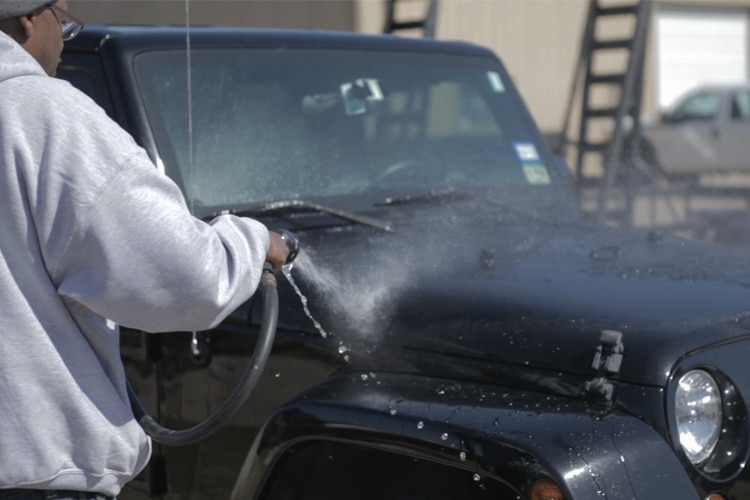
pixel 92 235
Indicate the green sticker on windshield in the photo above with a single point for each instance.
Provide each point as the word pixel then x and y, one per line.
pixel 536 173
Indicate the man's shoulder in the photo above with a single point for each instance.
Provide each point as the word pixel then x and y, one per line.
pixel 51 97
pixel 38 88
pixel 57 89
pixel 56 108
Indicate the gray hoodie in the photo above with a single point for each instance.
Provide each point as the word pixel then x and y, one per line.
pixel 92 235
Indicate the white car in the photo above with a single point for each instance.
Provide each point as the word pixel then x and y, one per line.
pixel 706 132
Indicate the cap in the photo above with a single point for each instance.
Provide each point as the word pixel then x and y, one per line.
pixel 13 8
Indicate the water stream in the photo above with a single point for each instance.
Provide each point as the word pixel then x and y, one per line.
pixel 287 270
pixel 360 302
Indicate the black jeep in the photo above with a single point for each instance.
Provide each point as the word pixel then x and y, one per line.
pixel 453 327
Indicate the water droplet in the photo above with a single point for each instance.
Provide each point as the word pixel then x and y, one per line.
pixel 444 436
pixel 364 377
pixel 462 456
pixel 343 349
pixel 393 411
pixel 277 375
pixel 420 425
pixel 477 477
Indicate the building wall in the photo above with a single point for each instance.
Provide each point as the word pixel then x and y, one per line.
pixel 323 14
pixel 539 40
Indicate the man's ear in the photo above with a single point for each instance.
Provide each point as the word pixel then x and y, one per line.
pixel 26 25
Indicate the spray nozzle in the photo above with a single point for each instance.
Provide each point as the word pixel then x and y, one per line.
pixel 292 243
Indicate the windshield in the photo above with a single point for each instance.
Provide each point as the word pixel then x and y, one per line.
pixel 303 124
pixel 702 106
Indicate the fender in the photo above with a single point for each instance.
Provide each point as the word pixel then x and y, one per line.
pixel 502 434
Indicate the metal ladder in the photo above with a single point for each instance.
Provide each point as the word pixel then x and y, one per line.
pixel 616 153
pixel 426 23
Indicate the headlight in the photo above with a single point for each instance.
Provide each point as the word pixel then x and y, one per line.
pixel 698 413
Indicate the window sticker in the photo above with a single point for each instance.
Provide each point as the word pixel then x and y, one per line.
pixel 536 173
pixel 495 81
pixel 526 151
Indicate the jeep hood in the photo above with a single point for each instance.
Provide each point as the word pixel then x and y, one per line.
pixel 533 295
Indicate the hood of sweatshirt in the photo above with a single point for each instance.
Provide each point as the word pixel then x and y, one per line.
pixel 16 61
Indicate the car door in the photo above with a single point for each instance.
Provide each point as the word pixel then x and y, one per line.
pixel 686 141
pixel 734 148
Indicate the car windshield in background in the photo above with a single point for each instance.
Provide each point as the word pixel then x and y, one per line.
pixel 269 125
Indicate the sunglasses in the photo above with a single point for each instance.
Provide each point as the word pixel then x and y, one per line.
pixel 69 25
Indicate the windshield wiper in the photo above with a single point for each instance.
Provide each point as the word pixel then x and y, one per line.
pixel 295 206
pixel 424 196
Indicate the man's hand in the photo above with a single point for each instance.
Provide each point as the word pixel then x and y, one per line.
pixel 278 252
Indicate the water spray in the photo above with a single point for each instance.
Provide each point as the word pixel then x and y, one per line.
pixel 246 385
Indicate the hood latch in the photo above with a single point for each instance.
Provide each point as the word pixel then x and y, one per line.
pixel 607 361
